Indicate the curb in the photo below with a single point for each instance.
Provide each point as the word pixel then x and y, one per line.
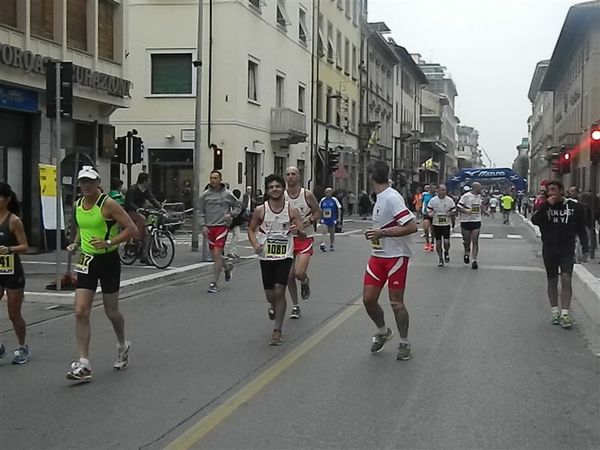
pixel 587 290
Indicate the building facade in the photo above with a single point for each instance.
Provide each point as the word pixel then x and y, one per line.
pixel 573 76
pixel 468 153
pixel 88 33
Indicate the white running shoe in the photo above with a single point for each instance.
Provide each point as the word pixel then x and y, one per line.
pixel 122 356
pixel 80 371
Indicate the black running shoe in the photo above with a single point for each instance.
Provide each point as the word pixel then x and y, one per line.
pixel 474 266
pixel 295 313
pixel 379 341
pixel 228 270
pixel 466 259
pixel 271 313
pixel 446 257
pixel 441 263
pixel 305 289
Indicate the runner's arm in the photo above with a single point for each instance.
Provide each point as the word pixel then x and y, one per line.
pixel 298 229
pixel 539 216
pixel 315 211
pixel 16 227
pixel 257 218
pixel 405 222
pixel 112 210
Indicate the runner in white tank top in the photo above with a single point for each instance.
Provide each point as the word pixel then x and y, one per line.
pixel 307 204
pixel 271 232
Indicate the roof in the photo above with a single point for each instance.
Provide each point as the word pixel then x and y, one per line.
pixel 578 21
pixel 376 29
pixel 538 76
pixel 409 62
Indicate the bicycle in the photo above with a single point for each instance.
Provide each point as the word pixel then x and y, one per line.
pixel 161 245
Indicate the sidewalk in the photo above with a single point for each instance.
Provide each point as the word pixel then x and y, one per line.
pixel 586 288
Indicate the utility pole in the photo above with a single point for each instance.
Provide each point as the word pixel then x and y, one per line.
pixel 58 145
pixel 198 129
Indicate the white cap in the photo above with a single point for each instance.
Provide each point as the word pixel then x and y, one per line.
pixel 88 172
pixel 466 189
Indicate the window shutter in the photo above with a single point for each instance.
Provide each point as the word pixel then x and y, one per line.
pixel 77 24
pixel 106 29
pixel 8 13
pixel 42 18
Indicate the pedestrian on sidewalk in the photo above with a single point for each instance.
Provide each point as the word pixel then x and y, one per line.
pixel 97 217
pixel 271 232
pixel 391 250
pixel 364 205
pixel 217 207
pixel 561 221
pixel 13 242
pixel 592 205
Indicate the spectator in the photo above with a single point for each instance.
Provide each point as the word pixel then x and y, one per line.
pixel 351 200
pixel 116 191
pixel 364 205
pixel 248 201
pixel 592 206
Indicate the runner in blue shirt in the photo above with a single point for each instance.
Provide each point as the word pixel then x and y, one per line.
pixel 330 211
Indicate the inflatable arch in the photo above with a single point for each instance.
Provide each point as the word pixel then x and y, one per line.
pixel 471 175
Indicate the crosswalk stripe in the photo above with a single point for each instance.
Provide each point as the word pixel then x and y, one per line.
pixel 514 236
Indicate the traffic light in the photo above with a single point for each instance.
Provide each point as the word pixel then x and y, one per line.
pixel 333 161
pixel 217 157
pixel 137 150
pixel 121 149
pixel 595 144
pixel 565 163
pixel 66 89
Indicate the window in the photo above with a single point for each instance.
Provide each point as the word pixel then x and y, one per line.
pixel 339 5
pixel 330 46
pixel 338 49
pixel 279 91
pixel 301 97
pixel 328 105
pixel 106 13
pixel 321 41
pixel 338 113
pixel 279 165
pixel 8 13
pixel 301 165
pixel 353 116
pixel 347 9
pixel 354 62
pixel 42 18
pixel 347 56
pixel 354 11
pixel 252 80
pixel 283 20
pixel 255 3
pixel 302 28
pixel 77 24
pixel 171 73
pixel 319 100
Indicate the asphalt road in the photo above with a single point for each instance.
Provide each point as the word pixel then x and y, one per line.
pixel 489 371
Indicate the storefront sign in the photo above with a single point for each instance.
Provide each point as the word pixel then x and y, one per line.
pixel 18 99
pixel 48 197
pixel 36 63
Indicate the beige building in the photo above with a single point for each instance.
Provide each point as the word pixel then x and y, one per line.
pixel 88 33
pixel 573 76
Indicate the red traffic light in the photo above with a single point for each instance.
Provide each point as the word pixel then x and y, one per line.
pixel 567 156
pixel 596 135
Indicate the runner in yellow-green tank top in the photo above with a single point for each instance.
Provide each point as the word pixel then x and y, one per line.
pixel 97 217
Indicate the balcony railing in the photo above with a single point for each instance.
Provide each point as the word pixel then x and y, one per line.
pixel 288 126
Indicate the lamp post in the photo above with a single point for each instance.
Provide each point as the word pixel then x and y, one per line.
pixel 198 128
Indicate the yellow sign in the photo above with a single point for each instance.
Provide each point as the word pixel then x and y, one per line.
pixel 47 180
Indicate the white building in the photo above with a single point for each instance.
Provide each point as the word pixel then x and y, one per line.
pixel 257 109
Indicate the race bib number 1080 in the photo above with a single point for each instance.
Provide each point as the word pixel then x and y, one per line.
pixel 7 264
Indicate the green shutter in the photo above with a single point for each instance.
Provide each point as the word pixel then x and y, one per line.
pixel 172 73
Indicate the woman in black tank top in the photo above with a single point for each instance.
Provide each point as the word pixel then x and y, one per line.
pixel 12 278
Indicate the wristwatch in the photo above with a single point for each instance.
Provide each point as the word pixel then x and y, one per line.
pixel 109 242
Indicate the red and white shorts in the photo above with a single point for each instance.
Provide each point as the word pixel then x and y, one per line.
pixel 217 236
pixel 303 246
pixel 390 270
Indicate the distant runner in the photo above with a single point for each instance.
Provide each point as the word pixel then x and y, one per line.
pixel 470 222
pixel 330 211
pixel 442 208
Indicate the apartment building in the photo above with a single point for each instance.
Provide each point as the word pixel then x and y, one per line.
pixel 88 33
pixel 467 147
pixel 573 76
pixel 256 90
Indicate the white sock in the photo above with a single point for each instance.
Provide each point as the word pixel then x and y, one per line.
pixel 404 340
pixel 85 361
pixel 383 330
pixel 555 310
pixel 564 311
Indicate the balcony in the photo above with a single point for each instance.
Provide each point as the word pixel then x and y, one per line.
pixel 288 126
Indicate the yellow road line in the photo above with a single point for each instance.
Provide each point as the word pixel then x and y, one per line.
pixel 219 414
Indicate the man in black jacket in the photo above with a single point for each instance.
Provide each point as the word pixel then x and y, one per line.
pixel 561 221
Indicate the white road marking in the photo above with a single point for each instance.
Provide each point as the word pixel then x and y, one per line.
pixel 514 236
pixel 481 236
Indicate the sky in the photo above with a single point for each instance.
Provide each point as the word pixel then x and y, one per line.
pixel 490 48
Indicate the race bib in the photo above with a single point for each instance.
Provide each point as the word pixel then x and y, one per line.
pixel 7 264
pixel 326 214
pixel 83 263
pixel 376 244
pixel 475 209
pixel 442 220
pixel 276 248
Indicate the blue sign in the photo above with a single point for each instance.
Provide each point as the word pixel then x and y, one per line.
pixel 18 99
pixel 483 174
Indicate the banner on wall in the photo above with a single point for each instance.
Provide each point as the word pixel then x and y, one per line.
pixel 48 197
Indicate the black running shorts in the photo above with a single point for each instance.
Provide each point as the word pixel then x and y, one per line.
pixel 470 226
pixel 105 268
pixel 441 232
pixel 555 259
pixel 275 272
pixel 15 280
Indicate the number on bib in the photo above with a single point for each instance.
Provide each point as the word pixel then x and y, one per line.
pixel 475 209
pixel 274 250
pixel 442 220
pixel 326 214
pixel 7 264
pixel 376 244
pixel 83 263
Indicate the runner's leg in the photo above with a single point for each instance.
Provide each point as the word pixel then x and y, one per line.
pixel 566 290
pixel 217 254
pixel 553 291
pixel 475 241
pixel 400 312
pixel 111 309
pixel 14 302
pixel 280 305
pixel 331 235
pixel 83 308
pixel 466 240
pixel 292 288
pixel 371 302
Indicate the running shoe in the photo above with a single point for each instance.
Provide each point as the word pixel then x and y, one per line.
pixel 474 265
pixel 331 248
pixel 80 371
pixel 21 355
pixel 441 263
pixel 403 352
pixel 556 318
pixel 566 321
pixel 466 259
pixel 305 289
pixel 446 257
pixel 432 247
pixel 276 338
pixel 271 313
pixel 213 288
pixel 295 312
pixel 323 248
pixel 426 247
pixel 379 341
pixel 2 351
pixel 122 356
pixel 228 270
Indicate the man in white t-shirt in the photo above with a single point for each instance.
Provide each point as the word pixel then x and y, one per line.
pixel 493 205
pixel 391 249
pixel 442 208
pixel 469 206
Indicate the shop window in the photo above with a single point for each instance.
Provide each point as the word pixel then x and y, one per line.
pixel 42 18
pixel 106 43
pixel 77 24
pixel 8 13
pixel 171 74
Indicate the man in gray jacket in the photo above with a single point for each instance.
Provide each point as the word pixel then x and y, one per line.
pixel 217 206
